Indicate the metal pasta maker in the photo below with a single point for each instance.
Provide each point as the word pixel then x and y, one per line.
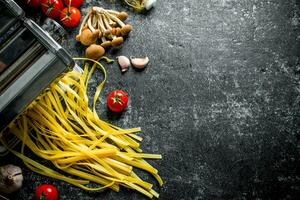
pixel 30 59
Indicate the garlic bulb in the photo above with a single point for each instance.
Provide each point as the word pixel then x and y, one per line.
pixel 149 4
pixel 11 178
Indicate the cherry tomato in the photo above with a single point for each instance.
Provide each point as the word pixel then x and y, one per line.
pixel 70 17
pixel 117 101
pixel 74 3
pixel 52 8
pixel 46 192
pixel 33 3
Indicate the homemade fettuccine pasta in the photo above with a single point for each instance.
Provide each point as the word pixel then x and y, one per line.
pixel 60 127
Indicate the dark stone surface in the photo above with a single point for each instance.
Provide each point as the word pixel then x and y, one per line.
pixel 219 99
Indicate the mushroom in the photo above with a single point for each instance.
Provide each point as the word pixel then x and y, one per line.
pixel 94 52
pixel 122 16
pixel 106 25
pixel 125 28
pixel 139 63
pixel 124 63
pixel 11 178
pixel 87 37
pixel 116 41
pixel 105 43
pixel 84 21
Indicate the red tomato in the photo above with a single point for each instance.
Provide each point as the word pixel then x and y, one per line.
pixel 52 8
pixel 74 3
pixel 46 192
pixel 117 101
pixel 33 3
pixel 70 17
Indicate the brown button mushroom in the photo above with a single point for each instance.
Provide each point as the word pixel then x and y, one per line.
pixel 106 44
pixel 126 29
pixel 88 37
pixel 122 16
pixel 94 52
pixel 117 41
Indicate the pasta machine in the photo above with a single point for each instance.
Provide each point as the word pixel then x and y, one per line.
pixel 30 59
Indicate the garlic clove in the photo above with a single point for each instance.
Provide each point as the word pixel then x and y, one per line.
pixel 11 178
pixel 139 63
pixel 124 63
pixel 149 4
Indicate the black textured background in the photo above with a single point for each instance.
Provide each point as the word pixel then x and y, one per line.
pixel 219 99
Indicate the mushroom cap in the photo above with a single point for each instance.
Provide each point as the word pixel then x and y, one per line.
pixel 106 44
pixel 122 16
pixel 87 37
pixel 118 32
pixel 100 34
pixel 113 31
pixel 117 41
pixel 106 33
pixel 126 29
pixel 78 38
pixel 96 32
pixel 94 51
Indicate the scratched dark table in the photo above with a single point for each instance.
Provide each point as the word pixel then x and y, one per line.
pixel 219 99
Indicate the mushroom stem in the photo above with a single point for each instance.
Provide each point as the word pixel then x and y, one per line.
pixel 113 12
pixel 105 43
pixel 109 20
pixel 106 22
pixel 84 21
pixel 98 9
pixel 116 41
pixel 94 20
pixel 114 18
pixel 126 28
pixel 101 23
pixel 90 25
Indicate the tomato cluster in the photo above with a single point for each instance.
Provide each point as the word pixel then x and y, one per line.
pixel 66 11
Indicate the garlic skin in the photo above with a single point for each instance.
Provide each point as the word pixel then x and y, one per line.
pixel 139 63
pixel 149 4
pixel 124 63
pixel 11 178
